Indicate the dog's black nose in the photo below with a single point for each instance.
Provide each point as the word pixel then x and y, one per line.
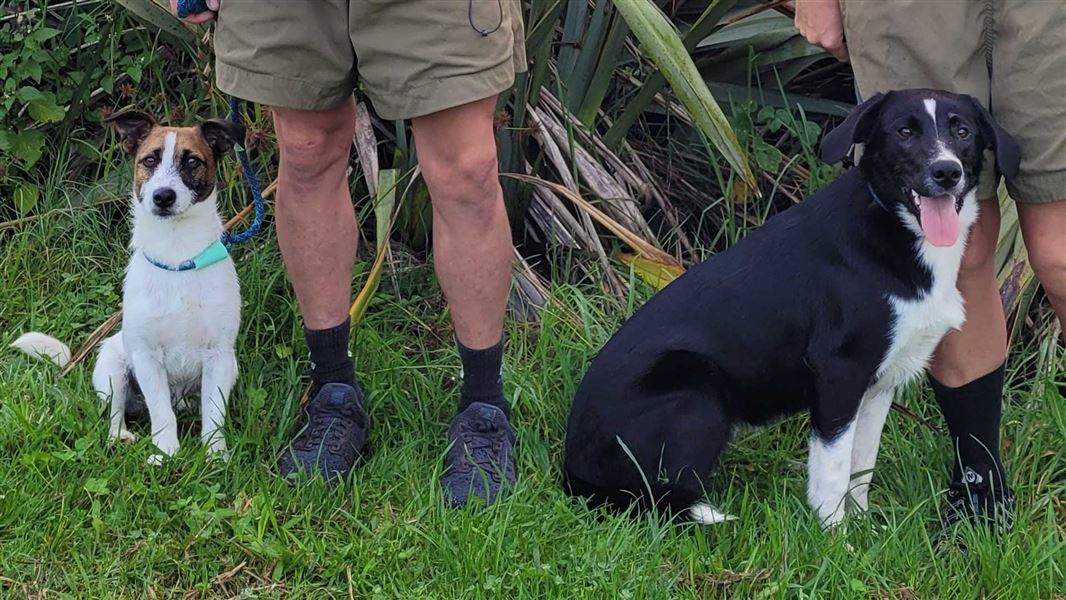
pixel 164 197
pixel 946 173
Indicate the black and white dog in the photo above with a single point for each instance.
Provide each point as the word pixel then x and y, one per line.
pixel 831 306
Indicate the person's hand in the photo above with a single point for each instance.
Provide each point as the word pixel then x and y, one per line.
pixel 821 23
pixel 201 17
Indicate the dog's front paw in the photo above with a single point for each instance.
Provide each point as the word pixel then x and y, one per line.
pixel 832 515
pixel 124 435
pixel 156 460
pixel 218 453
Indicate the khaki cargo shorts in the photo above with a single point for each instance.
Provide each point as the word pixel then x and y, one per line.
pixel 1009 54
pixel 414 57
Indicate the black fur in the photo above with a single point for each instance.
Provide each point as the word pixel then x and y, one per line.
pixel 795 316
pixel 221 135
pixel 132 126
pixel 194 174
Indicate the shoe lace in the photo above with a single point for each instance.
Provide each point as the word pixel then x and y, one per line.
pixel 328 427
pixel 482 444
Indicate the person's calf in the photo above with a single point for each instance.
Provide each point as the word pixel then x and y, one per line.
pixel 315 220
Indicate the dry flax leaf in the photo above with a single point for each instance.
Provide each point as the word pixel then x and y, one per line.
pixel 366 146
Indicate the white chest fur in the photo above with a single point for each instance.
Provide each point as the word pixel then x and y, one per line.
pixel 921 323
pixel 179 319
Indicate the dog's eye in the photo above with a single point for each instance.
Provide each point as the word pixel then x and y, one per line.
pixel 150 161
pixel 963 133
pixel 192 162
pixel 905 132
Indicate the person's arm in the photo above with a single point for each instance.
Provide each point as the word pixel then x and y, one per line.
pixel 200 17
pixel 822 24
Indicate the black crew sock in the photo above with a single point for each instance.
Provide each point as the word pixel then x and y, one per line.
pixel 482 377
pixel 331 361
pixel 973 413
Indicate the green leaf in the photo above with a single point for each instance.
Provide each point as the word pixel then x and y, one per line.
pixel 661 42
pixel 134 71
pixel 96 486
pixel 159 18
pixel 46 111
pixel 33 71
pixel 27 94
pixel 44 34
pixel 766 156
pixel 27 146
pixel 26 197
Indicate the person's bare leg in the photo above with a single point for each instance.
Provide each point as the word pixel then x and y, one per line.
pixel 1044 230
pixel 472 253
pixel 471 234
pixel 967 380
pixel 981 345
pixel 315 219
pixel 317 234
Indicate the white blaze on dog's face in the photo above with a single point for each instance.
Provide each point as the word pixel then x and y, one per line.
pixel 924 152
pixel 174 167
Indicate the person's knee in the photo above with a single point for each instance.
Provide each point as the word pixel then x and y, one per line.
pixel 465 185
pixel 1049 265
pixel 314 146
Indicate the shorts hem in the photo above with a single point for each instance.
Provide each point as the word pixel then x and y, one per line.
pixel 282 92
pixel 1039 189
pixel 426 98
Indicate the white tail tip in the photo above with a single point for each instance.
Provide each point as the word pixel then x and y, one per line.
pixel 705 514
pixel 39 345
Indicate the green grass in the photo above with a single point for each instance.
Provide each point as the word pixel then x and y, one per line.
pixel 82 519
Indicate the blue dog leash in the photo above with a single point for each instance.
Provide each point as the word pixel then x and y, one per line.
pixel 191 7
pixel 230 239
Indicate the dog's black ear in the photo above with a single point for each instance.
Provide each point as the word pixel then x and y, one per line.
pixel 132 126
pixel 1008 153
pixel 221 135
pixel 854 130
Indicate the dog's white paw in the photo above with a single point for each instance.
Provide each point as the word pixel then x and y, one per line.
pixel 705 514
pixel 156 460
pixel 125 436
pixel 221 454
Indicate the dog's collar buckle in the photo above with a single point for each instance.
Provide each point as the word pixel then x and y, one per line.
pixel 214 253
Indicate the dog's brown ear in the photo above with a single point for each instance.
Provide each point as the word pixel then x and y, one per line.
pixel 1008 153
pixel 132 126
pixel 854 130
pixel 221 135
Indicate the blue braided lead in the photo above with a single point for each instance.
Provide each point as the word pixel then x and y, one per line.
pixel 231 239
pixel 191 7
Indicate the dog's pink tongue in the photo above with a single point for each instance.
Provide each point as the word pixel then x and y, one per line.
pixel 940 222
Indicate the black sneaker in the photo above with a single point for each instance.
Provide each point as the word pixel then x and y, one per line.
pixel 332 438
pixel 480 461
pixel 973 499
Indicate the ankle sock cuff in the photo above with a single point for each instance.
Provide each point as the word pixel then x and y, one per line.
pixel 482 375
pixel 331 360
